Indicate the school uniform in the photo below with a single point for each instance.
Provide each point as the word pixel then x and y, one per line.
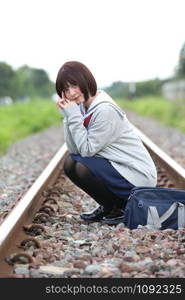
pixel 103 139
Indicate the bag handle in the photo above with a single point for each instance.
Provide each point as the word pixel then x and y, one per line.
pixel 153 218
pixel 181 215
pixel 155 221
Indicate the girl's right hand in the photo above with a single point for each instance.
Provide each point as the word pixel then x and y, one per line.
pixel 64 102
pixel 61 102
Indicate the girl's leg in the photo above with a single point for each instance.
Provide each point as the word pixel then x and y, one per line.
pixel 111 210
pixel 85 179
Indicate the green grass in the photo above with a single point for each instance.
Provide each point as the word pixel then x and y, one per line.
pixel 22 119
pixel 166 112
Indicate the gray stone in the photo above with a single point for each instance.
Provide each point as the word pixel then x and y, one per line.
pixel 92 269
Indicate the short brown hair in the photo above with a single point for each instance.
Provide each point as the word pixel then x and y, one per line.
pixel 76 73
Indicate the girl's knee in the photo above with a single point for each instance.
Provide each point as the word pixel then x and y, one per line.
pixel 69 165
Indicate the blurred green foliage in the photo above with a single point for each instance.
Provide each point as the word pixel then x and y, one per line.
pixel 180 71
pixel 24 82
pixel 121 89
pixel 8 80
pixel 118 89
pixel 149 87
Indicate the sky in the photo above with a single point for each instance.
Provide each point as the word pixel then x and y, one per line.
pixel 126 40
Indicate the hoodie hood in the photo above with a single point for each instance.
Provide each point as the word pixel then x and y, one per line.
pixel 101 99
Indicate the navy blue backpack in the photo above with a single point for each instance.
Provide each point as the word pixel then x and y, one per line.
pixel 160 208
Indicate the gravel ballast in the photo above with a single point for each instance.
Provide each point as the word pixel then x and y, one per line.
pixel 25 161
pixel 65 246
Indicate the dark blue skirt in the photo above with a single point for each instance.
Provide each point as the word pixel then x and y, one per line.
pixel 107 174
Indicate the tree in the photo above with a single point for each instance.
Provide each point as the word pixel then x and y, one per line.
pixel 121 89
pixel 148 87
pixel 34 82
pixel 118 89
pixel 8 81
pixel 24 82
pixel 181 63
pixel 42 83
pixel 25 85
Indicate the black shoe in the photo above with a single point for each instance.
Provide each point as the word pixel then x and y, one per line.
pixel 94 216
pixel 116 216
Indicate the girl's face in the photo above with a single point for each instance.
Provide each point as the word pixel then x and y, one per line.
pixel 73 93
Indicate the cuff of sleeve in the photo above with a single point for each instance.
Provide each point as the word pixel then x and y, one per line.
pixel 72 110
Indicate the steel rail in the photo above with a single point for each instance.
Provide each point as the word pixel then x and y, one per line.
pixel 11 228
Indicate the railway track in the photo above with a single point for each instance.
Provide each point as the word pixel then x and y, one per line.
pixel 27 232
